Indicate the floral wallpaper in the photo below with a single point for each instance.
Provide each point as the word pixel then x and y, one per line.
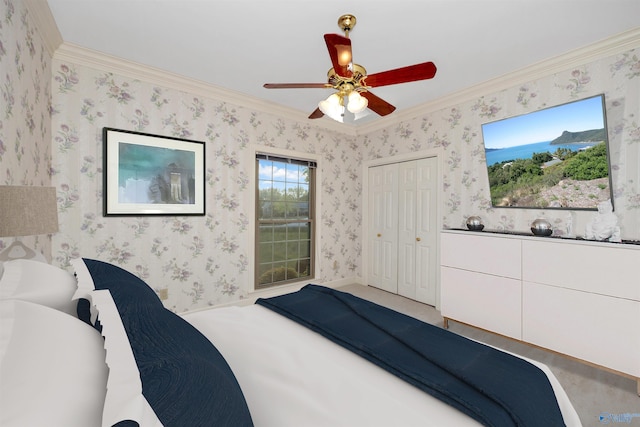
pixel 25 123
pixel 51 132
pixel 199 261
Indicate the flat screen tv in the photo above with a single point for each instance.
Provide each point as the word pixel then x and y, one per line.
pixel 555 158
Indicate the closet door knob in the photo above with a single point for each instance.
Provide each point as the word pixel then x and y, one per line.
pixel 418 239
pixel 379 235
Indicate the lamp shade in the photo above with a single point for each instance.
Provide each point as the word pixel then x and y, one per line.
pixel 27 210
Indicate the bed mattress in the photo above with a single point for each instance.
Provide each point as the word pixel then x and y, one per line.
pixel 292 376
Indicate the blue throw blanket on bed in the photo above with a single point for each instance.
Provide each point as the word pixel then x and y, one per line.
pixel 491 386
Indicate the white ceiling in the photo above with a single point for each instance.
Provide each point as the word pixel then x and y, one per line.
pixel 242 44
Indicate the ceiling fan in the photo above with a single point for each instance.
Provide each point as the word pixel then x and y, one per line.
pixel 351 81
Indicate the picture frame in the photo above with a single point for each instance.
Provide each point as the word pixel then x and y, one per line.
pixel 146 175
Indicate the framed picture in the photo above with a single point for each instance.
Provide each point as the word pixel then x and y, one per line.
pixel 152 175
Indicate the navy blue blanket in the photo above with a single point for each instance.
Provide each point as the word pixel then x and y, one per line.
pixel 491 386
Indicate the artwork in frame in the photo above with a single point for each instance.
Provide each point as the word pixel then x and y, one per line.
pixel 148 174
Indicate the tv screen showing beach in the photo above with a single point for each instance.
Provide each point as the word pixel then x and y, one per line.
pixel 555 158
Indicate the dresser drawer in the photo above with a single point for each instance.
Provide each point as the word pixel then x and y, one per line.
pixel 599 329
pixel 483 300
pixel 607 270
pixel 500 256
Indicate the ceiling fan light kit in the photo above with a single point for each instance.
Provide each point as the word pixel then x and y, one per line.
pixel 351 81
pixel 333 107
pixel 357 103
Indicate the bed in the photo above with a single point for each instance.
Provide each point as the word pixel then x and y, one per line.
pixel 75 350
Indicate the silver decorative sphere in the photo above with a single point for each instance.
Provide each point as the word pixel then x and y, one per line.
pixel 541 227
pixel 474 223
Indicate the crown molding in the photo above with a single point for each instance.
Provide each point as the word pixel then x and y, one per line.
pixel 45 24
pixel 611 46
pixel 69 52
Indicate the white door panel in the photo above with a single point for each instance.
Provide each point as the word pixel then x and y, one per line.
pixel 426 233
pixel 407 229
pixel 402 234
pixel 383 183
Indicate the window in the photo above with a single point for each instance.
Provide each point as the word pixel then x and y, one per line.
pixel 284 220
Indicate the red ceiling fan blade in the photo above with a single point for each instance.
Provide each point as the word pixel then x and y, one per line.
pixel 340 53
pixel 412 73
pixel 316 114
pixel 378 105
pixel 296 85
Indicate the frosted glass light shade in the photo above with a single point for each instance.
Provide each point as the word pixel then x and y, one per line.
pixel 332 107
pixel 357 103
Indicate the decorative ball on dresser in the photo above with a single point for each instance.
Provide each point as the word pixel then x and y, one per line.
pixel 474 223
pixel 541 227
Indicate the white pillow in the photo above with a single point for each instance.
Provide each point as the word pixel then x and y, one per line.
pixel 41 283
pixel 52 368
pixel 124 399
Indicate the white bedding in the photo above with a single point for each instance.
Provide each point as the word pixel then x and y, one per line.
pixel 52 370
pixel 291 376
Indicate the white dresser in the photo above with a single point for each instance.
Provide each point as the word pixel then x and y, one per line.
pixel 575 297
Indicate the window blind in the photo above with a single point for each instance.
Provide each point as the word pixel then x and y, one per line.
pixel 302 162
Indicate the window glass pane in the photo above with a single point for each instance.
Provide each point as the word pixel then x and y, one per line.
pixel 265 278
pixel 279 172
pixel 292 250
pixel 265 169
pixel 285 221
pixel 280 251
pixel 263 268
pixel 305 248
pixel 293 231
pixel 305 231
pixel 291 192
pixel 303 267
pixel 290 210
pixel 279 209
pixel 276 272
pixel 279 232
pixel 265 232
pixel 293 172
pixel 292 270
pixel 265 209
pixel 265 190
pixel 266 252
pixel 304 191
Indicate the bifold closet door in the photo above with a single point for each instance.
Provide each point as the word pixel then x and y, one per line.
pixel 417 233
pixel 383 228
pixel 402 231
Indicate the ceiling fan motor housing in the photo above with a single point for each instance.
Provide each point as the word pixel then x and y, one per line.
pixel 346 23
pixel 348 84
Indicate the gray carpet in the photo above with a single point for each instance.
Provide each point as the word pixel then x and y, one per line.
pixel 594 393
